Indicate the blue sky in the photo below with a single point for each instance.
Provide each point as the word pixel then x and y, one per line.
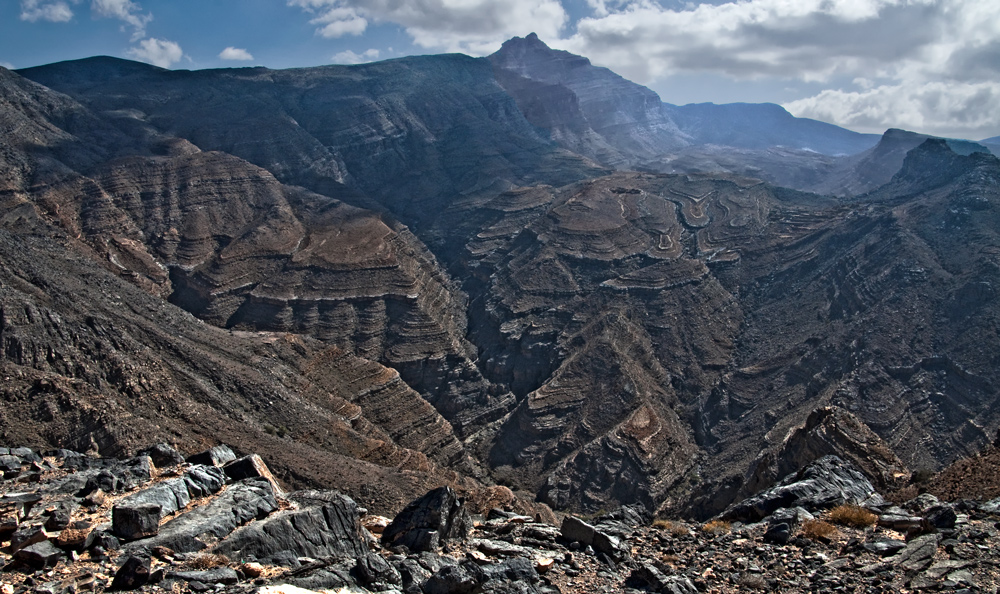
pixel 926 65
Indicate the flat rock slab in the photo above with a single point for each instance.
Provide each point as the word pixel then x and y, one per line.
pixel 918 554
pixel 217 575
pixel 205 526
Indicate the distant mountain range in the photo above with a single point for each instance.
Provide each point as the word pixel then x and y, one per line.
pixel 600 114
pixel 520 270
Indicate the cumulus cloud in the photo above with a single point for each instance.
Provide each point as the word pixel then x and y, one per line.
pixel 45 10
pixel 475 27
pixel 126 11
pixel 7 65
pixel 159 52
pixel 349 57
pixel 235 53
pixel 945 109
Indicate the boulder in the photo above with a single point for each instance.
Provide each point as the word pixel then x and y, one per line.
pixel 60 517
pixel 216 456
pixel 27 535
pixel 375 573
pixel 942 517
pixel 451 579
pixel 249 467
pixel 131 522
pixel 321 528
pixel 40 554
pixel 25 454
pixel 163 455
pixel 825 483
pixel 169 496
pixel 10 465
pixel 648 577
pixel 428 521
pixel 175 494
pixel 133 573
pixel 576 530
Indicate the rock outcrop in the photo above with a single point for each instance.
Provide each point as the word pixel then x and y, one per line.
pixel 314 541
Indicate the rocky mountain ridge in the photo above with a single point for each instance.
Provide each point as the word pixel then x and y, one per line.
pixel 400 282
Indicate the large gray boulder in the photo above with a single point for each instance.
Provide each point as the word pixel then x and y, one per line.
pixel 428 521
pixel 825 483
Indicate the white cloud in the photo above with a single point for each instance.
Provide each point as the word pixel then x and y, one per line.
pixel 7 65
pixel 45 10
pixel 126 11
pixel 889 48
pixel 159 52
pixel 340 21
pixel 943 108
pixel 349 57
pixel 476 27
pixel 235 53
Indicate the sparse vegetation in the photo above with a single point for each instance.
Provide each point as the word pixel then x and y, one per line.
pixel 852 515
pixel 208 561
pixel 716 527
pixel 818 530
pixel 673 528
pixel 922 476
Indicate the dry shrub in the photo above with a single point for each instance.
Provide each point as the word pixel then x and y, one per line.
pixel 208 561
pixel 673 528
pixel 818 530
pixel 852 515
pixel 753 582
pixel 716 527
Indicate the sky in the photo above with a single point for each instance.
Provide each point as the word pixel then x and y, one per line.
pixel 930 66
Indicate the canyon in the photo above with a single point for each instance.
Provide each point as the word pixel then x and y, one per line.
pixel 520 270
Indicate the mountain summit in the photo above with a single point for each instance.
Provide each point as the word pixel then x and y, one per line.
pixel 595 112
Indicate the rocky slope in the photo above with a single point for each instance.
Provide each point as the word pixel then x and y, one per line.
pixel 156 523
pixel 91 362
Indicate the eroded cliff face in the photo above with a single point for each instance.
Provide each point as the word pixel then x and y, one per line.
pixel 97 356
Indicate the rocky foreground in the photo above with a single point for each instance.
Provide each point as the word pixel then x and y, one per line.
pixel 214 522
